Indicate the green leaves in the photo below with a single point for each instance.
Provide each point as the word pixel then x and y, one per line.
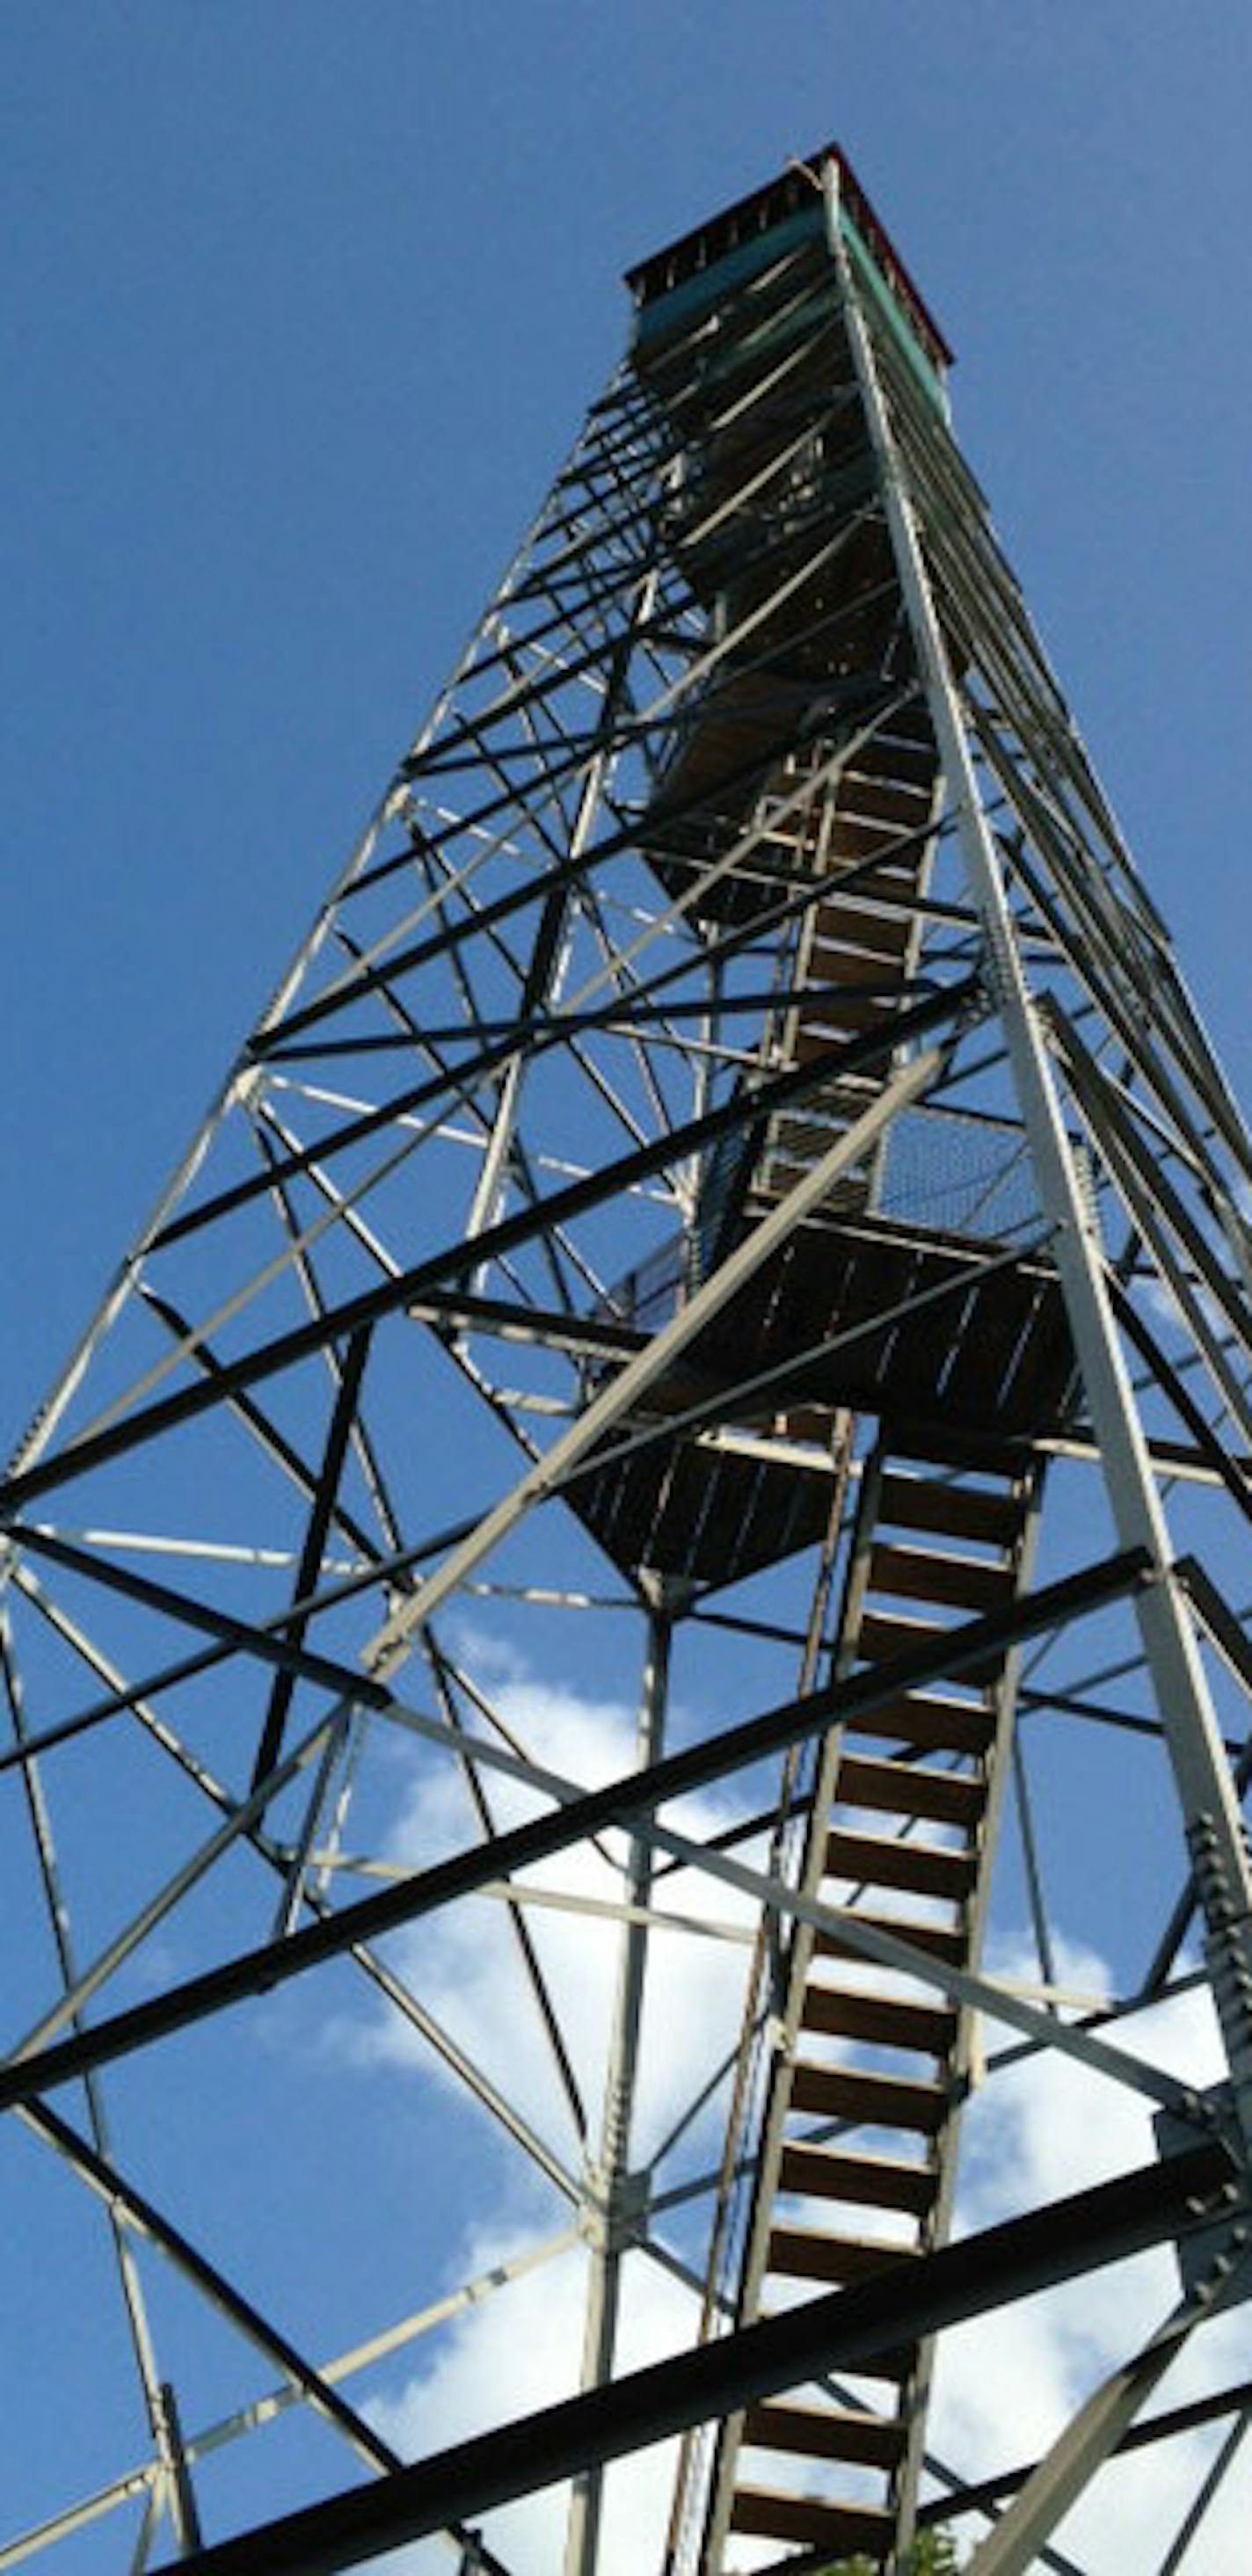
pixel 933 2554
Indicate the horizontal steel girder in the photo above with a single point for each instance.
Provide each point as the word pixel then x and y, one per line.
pixel 619 1802
pixel 457 1260
pixel 1001 2264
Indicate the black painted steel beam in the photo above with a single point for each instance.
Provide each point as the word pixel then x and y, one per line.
pixel 264 1431
pixel 838 2332
pixel 143 2214
pixel 452 1261
pixel 339 1432
pixel 619 1802
pixel 1227 1469
pixel 271 1645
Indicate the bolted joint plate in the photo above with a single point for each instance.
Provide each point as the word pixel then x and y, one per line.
pixel 1214 2261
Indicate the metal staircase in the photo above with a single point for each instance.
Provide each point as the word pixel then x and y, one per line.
pixel 808 758
pixel 867 2070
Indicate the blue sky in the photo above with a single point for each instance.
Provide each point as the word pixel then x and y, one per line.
pixel 301 303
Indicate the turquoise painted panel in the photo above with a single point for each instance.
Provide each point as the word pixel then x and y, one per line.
pixel 893 315
pixel 683 303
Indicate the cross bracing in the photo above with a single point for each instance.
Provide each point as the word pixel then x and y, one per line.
pixel 646 1537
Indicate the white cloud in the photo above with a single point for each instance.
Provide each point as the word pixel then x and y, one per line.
pixel 520 2349
pixel 521 2352
pixel 1006 2384
pixel 466 1966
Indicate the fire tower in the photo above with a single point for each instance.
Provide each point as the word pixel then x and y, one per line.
pixel 731 1210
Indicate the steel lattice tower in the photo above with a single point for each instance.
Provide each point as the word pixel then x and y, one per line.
pixel 733 1190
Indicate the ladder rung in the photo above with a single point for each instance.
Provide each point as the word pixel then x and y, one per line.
pixel 910 1789
pixel 872 2182
pixel 850 960
pixel 805 2254
pixel 896 749
pixel 886 1860
pixel 880 2020
pixel 827 2433
pixel 872 2101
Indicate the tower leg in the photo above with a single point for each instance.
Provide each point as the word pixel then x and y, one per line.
pixel 1211 1817
pixel 610 2180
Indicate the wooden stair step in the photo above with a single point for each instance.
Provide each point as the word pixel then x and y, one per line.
pixel 872 2101
pixel 899 749
pixel 814 1423
pixel 896 877
pixel 878 761
pixel 806 2254
pixel 883 800
pixel 937 1940
pixel 881 2020
pixel 906 749
pixel 843 2529
pixel 951 1510
pixel 910 1789
pixel 932 1722
pixel 896 750
pixel 838 964
pixel 852 925
pixel 955 1452
pixel 883 1636
pixel 886 1860
pixel 895 2367
pixel 827 2433
pixel 933 1574
pixel 838 1015
pixel 871 2182
pixel 854 839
